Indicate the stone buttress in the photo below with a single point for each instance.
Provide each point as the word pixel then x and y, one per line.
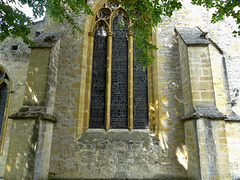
pixel 204 125
pixel 32 126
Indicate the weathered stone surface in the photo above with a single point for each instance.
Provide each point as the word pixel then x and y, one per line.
pixel 121 178
pixel 233 117
pixel 33 112
pixel 205 112
pixel 134 155
pixel 117 135
pixel 47 39
pixel 120 154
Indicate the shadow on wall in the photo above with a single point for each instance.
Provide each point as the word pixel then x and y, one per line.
pixel 22 150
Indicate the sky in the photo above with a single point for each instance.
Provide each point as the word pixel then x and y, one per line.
pixel 27 10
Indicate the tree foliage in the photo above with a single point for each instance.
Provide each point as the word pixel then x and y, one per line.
pixel 13 22
pixel 223 8
pixel 144 15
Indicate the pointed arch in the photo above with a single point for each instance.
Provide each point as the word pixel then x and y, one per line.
pixel 89 29
pixel 5 89
pixel 86 69
pixel 98 84
pixel 101 22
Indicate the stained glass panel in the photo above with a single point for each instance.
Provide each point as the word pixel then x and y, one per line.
pixel 3 100
pixel 119 86
pixel 98 88
pixel 140 95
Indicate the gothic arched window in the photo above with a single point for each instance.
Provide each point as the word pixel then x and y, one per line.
pixel 119 97
pixel 4 89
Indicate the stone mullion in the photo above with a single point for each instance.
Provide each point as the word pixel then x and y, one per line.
pixel 88 82
pixel 130 81
pixel 108 81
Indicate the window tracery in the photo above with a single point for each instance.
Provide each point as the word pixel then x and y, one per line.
pixel 119 97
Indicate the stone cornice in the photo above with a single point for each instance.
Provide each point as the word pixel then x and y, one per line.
pixel 210 112
pixel 192 36
pixel 33 112
pixel 233 117
pixel 46 40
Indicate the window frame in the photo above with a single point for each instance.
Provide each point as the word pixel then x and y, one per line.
pixel 6 110
pixel 109 29
pixel 82 113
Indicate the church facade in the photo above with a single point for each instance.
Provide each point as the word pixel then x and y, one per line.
pixel 84 108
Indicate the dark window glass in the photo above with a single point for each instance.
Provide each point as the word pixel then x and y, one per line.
pixel 140 95
pixel 119 86
pixel 1 74
pixel 119 80
pixel 3 100
pixel 98 88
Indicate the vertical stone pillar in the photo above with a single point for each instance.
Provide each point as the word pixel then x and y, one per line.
pixel 32 126
pixel 81 129
pixel 156 113
pixel 204 125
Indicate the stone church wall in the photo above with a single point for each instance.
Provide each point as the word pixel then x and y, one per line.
pixel 233 129
pixel 16 64
pixel 14 57
pixel 171 134
pixel 137 153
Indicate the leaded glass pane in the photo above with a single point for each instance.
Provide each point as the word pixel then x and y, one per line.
pixel 140 96
pixel 3 100
pixel 98 88
pixel 119 86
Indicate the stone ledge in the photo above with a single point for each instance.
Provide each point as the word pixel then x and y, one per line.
pixel 118 135
pixel 233 117
pixel 192 36
pixel 170 178
pixel 33 112
pixel 205 112
pixel 46 40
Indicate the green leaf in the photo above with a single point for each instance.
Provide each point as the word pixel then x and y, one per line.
pixel 145 15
